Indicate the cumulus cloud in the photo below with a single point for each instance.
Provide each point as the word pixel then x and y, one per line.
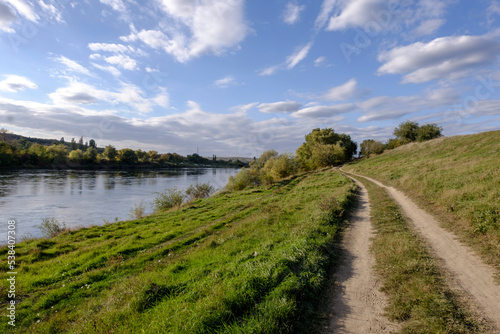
pixel 356 13
pixel 15 83
pixel 123 61
pixel 292 13
pixel 444 57
pixel 7 17
pixel 78 93
pixel 196 28
pixel 279 107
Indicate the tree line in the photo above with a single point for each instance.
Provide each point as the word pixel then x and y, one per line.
pixel 406 132
pixel 21 152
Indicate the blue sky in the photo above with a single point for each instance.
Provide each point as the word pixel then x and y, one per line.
pixel 235 77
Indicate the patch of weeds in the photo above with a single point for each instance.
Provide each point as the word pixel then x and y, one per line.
pixel 51 227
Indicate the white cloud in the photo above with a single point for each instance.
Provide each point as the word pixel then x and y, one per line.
pixel 15 83
pixel 52 12
pixel 117 5
pixel 326 9
pixel 109 47
pixel 279 107
pixel 78 93
pixel 196 28
pixel 7 17
pixel 110 69
pixel 343 92
pixel 269 70
pixel 429 27
pixel 125 62
pixel 325 111
pixel 292 13
pixel 298 56
pixel 444 57
pixel 24 9
pixel 355 13
pixel 320 61
pixel 225 82
pixel 72 65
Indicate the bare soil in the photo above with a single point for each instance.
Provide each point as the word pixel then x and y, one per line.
pixel 357 304
pixel 467 270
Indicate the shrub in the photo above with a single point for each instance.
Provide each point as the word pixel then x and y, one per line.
pixel 138 211
pixel 200 190
pixel 245 178
pixel 51 227
pixel 168 199
pixel 278 168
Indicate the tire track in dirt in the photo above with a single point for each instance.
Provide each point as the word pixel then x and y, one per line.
pixel 470 273
pixel 357 305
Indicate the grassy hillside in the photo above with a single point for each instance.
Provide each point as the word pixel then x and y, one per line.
pixel 252 261
pixel 456 178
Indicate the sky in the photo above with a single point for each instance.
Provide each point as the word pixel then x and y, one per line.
pixel 236 77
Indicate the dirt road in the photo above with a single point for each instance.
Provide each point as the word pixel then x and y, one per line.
pixel 358 305
pixel 470 273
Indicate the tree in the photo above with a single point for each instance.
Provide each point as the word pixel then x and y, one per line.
pixel 7 154
pixel 92 143
pixel 76 156
pixel 324 147
pixel 90 155
pixel 3 133
pixel 73 146
pixel 80 143
pixel 127 156
pixel 153 156
pixel 429 131
pixel 62 140
pixel 110 153
pixel 57 153
pixel 407 131
pixel 370 146
pixel 37 153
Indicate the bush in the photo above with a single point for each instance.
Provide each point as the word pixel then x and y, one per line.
pixel 168 199
pixel 245 178
pixel 51 227
pixel 278 168
pixel 200 190
pixel 138 211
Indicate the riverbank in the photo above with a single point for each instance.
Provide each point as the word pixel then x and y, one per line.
pixel 246 261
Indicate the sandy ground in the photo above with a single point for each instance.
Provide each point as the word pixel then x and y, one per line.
pixel 357 305
pixel 470 274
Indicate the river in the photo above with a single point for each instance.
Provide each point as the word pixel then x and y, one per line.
pixel 85 198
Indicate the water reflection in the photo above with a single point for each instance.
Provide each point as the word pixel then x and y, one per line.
pixel 82 198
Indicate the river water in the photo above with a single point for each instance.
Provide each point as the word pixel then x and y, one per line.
pixel 84 198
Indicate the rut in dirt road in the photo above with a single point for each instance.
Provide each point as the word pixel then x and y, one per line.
pixel 473 276
pixel 358 305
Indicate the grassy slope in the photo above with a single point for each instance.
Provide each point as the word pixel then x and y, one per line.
pixel 456 178
pixel 419 299
pixel 250 261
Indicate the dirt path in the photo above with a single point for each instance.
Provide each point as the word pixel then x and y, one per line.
pixel 358 304
pixel 466 268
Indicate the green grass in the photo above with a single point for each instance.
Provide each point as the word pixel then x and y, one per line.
pixel 457 179
pixel 419 299
pixel 252 261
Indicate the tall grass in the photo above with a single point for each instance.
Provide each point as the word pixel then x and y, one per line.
pixel 456 178
pixel 242 262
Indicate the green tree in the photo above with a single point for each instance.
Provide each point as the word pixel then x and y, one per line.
pixel 72 145
pixel 153 156
pixel 37 154
pixel 81 146
pixel 279 167
pixel 76 156
pixel 7 154
pixel 90 155
pixel 128 156
pixel 57 153
pixel 429 131
pixel 92 143
pixel 110 153
pixel 407 131
pixel 324 147
pixel 370 146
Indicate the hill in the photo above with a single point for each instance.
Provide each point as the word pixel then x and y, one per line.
pixel 455 178
pixel 251 261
